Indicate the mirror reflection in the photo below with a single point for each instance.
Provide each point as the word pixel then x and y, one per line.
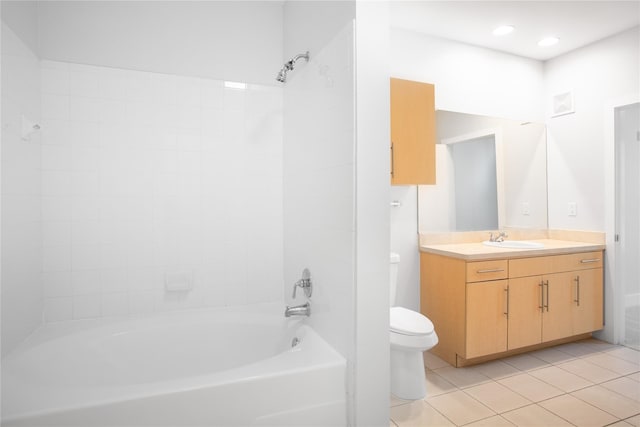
pixel 491 173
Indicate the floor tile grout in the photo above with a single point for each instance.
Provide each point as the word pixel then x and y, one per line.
pixel 581 350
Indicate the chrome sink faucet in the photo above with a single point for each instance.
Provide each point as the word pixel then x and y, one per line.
pixel 298 310
pixel 499 238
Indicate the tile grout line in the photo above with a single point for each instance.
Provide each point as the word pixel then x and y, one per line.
pixel 545 409
pixel 436 409
pixel 589 347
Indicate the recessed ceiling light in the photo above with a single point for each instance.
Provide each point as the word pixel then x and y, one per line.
pixel 548 41
pixel 503 30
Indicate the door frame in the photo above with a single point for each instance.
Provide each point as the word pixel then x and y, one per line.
pixel 614 313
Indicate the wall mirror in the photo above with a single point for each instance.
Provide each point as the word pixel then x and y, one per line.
pixel 490 173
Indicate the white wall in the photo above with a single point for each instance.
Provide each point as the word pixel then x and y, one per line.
pixel 149 175
pixel 468 79
pixel 336 187
pixel 372 214
pixel 226 40
pixel 143 174
pixel 21 185
pixel 319 168
pixel 597 74
pixel 21 16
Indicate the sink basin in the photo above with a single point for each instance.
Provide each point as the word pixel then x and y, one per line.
pixel 514 244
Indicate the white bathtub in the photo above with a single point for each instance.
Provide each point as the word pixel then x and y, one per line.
pixel 223 367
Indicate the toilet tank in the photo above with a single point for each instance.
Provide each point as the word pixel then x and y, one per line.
pixel 393 277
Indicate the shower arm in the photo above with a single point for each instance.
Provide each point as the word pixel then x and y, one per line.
pixel 301 55
pixel 289 65
pixel 295 59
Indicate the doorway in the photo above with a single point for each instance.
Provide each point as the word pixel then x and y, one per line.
pixel 476 188
pixel 627 219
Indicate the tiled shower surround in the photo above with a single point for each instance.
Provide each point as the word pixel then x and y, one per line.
pixel 148 177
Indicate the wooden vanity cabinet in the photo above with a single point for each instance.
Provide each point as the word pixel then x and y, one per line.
pixel 486 307
pixel 510 304
pixel 413 136
pixel 587 314
pixel 564 301
pixel 532 317
pixel 486 323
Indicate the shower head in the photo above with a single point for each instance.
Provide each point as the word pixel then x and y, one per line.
pixel 289 65
pixel 282 76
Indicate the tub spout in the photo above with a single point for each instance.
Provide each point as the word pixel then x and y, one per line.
pixel 298 310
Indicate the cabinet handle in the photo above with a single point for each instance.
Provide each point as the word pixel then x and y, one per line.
pixel 506 313
pixel 392 162
pixel 588 261
pixel 493 270
pixel 577 300
pixel 546 283
pixel 541 306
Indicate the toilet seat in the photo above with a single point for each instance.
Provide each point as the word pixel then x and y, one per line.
pixel 407 322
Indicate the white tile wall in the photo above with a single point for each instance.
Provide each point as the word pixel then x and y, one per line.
pixel 145 174
pixel 319 167
pixel 22 290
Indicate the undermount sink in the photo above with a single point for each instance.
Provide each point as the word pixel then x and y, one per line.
pixel 514 244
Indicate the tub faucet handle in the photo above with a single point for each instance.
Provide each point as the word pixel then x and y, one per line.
pixel 305 283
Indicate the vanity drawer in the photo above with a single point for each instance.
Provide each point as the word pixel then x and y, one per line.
pixel 579 261
pixel 482 271
pixel 554 264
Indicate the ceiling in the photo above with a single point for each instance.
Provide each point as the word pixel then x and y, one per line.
pixel 575 23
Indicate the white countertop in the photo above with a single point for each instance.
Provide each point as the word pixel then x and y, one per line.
pixel 476 251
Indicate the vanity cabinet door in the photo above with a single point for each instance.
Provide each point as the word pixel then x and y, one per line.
pixel 486 323
pixel 525 311
pixel 413 136
pixel 558 301
pixel 587 301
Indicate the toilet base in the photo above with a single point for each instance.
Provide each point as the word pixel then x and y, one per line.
pixel 408 379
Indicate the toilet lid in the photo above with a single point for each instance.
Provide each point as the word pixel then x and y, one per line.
pixel 408 322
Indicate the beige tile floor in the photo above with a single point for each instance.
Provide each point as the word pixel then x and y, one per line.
pixel 586 383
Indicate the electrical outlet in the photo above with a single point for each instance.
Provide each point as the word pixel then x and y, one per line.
pixel 526 210
pixel 572 209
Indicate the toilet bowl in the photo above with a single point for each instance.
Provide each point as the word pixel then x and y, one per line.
pixel 411 333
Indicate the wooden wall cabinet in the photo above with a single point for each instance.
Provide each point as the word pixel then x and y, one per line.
pixel 413 136
pixel 510 305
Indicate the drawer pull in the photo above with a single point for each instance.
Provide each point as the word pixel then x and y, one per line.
pixel 506 313
pixel 589 261
pixel 541 285
pixel 493 270
pixel 392 158
pixel 546 283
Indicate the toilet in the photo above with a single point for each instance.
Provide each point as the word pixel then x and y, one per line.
pixel 411 333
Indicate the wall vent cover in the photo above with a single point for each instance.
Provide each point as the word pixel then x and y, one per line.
pixel 563 104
